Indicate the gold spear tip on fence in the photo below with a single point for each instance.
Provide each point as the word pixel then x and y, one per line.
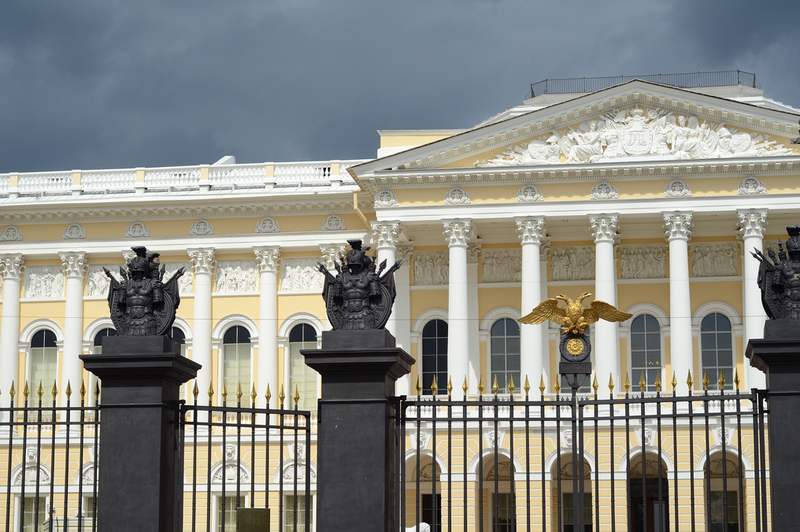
pixel 449 386
pixel 40 392
pixel 224 392
pixel 296 395
pixel 419 386
pixel 281 395
pixel 495 387
pixel 82 391
pixel 674 381
pixel 595 386
pixel 721 380
pixel 239 393
pixel 611 383
pixel 26 391
pixel 642 382
pixel 689 380
pixel 511 386
pixel 557 387
pixel 736 378
pixel 465 386
pixel 96 390
pixel 268 395
pixel 480 385
pixel 627 384
pixel 195 391
pixel 210 392
pixel 705 381
pixel 12 392
pixel 433 386
pixel 68 392
pixel 658 382
pixel 253 394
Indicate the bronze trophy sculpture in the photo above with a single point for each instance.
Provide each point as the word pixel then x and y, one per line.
pixel 359 297
pixel 779 278
pixel 142 304
pixel 574 319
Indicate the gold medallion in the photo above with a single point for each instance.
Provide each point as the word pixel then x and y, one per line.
pixel 575 346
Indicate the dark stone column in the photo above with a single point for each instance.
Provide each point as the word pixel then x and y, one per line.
pixel 356 434
pixel 778 355
pixel 137 484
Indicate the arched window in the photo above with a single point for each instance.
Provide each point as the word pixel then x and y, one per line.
pixel 97 347
pixel 302 377
pixel 645 350
pixel 434 356
pixel 505 354
pixel 44 364
pixel 176 333
pixel 236 364
pixel 716 350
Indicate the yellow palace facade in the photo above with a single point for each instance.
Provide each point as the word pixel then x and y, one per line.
pixel 649 196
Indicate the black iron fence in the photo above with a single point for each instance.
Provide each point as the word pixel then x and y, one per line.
pixel 684 80
pixel 638 462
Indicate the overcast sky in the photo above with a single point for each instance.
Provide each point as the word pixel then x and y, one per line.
pixel 107 84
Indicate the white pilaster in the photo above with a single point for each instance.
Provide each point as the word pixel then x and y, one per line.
pixel 457 237
pixel 752 223
pixel 385 235
pixel 11 265
pixel 267 259
pixel 678 226
pixel 402 311
pixel 473 338
pixel 74 269
pixel 532 355
pixel 203 263
pixel 606 338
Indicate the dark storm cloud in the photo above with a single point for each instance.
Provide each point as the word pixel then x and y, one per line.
pixel 121 84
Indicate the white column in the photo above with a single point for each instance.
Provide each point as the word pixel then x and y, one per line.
pixel 267 259
pixel 752 223
pixel 532 356
pixel 678 227
pixel 203 263
pixel 11 265
pixel 457 236
pixel 385 235
pixel 606 333
pixel 402 311
pixel 74 269
pixel 473 339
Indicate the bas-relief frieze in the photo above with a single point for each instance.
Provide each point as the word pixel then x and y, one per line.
pixel 502 265
pixel 715 259
pixel 44 281
pixel 301 275
pixel 643 262
pixel 431 267
pixel 572 263
pixel 235 276
pixel 638 132
pixel 185 281
pixel 98 280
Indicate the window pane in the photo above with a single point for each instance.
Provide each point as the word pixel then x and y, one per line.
pixel 434 356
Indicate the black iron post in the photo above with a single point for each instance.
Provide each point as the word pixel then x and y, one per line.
pixel 356 435
pixel 137 485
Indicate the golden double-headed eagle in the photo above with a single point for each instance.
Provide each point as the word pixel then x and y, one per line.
pixel 574 318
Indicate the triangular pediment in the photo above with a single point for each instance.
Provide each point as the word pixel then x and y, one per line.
pixel 631 124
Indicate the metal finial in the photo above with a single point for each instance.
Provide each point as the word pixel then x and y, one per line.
pixel 705 381
pixel 210 392
pixel 689 380
pixel 195 391
pixel 511 386
pixel 464 386
pixel 268 395
pixel 419 386
pixel 97 391
pixel 481 387
pixel 642 382
pixel 12 392
pixel 449 387
pixel 239 393
pixel 281 395
pixel 54 391
pixel 495 387
pixel 594 384
pixel 611 384
pixel 736 379
pixel 721 380
pixel 224 393
pixel 253 395
pixel 557 387
pixel 82 391
pixel 26 391
pixel 433 386
pixel 674 382
pixel 658 382
pixel 627 384
pixel 296 395
pixel 40 392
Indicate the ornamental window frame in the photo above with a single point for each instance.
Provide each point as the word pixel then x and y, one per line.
pixel 284 332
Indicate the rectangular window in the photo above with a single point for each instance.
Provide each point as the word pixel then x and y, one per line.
pixel 716 512
pixel 44 367
pixel 294 512
pixel 34 513
pixel 506 520
pixel 301 377
pixel 568 513
pixel 237 373
pixel 226 513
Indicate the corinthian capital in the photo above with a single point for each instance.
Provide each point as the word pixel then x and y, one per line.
pixel 678 225
pixel 604 227
pixel 202 259
pixel 386 234
pixel 752 223
pixel 457 232
pixel 74 263
pixel 531 229
pixel 11 265
pixel 267 258
pixel 331 253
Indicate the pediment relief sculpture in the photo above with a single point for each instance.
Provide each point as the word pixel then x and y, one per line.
pixel 642 133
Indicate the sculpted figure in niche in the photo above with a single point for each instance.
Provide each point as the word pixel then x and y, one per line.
pixel 141 304
pixel 359 297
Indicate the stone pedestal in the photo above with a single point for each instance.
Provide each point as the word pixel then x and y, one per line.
pixel 778 355
pixel 137 483
pixel 356 434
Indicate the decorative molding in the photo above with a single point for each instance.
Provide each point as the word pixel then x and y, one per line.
pixel 678 225
pixel 431 267
pixel 502 265
pixel 12 265
pixel 202 259
pixel 331 253
pixel 98 280
pixel 137 230
pixel 752 186
pixel 456 196
pixel 531 229
pixel 677 188
pixel 457 232
pixel 185 281
pixel 604 191
pixel 267 258
pixel 201 227
pixel 230 472
pixel 301 275
pixel 604 227
pixel 572 263
pixel 473 252
pixel 74 232
pixel 385 234
pixel 752 222
pixel 236 276
pixel 385 198
pixel 715 260
pixel 10 234
pixel 403 252
pixel 44 282
pixel 643 262
pixel 334 222
pixel 529 194
pixel 74 263
pixel 268 224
